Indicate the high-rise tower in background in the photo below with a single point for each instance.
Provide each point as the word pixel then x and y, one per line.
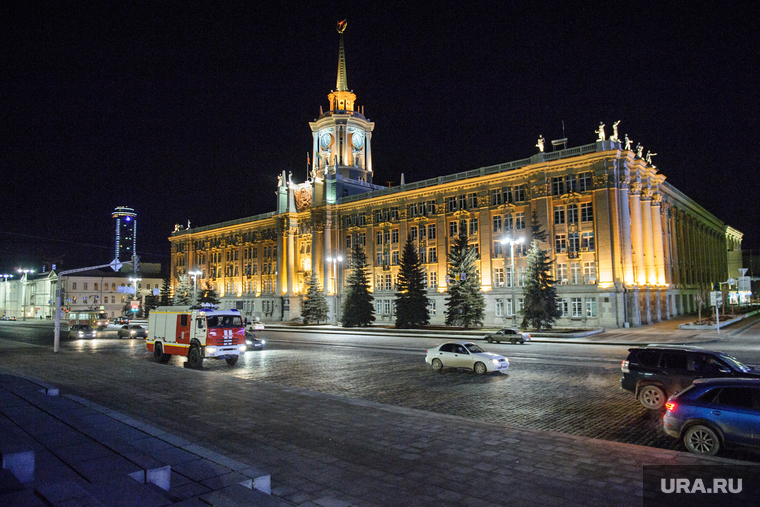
pixel 126 233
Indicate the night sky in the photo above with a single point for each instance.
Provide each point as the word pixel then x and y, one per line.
pixel 189 110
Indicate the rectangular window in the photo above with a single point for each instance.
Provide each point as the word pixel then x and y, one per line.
pixel 575 272
pixel 431 231
pixel 74 286
pixel 584 182
pixel 453 230
pixel 379 237
pixel 587 212
pixel 571 183
pixel 421 254
pixel 96 286
pixel 394 258
pixel 498 277
pixel 587 241
pixel 430 207
pixel 559 215
pixel 497 223
pixel 508 276
pixel 451 204
pixel 560 243
pixel 394 236
pixel 388 282
pixel 562 274
pixel 522 273
pixel 431 307
pixel 363 239
pixel 562 306
pixel 379 259
pixel 520 193
pixel 507 194
pixel 558 186
pixel 413 233
pixel 577 308
pixel 379 307
pixel 573 242
pixel 521 249
pixel 432 255
pixel 473 226
pixel 433 278
pixel 572 214
pixel 462 202
pixel 394 213
pixel 472 200
pixel 386 306
pixel 387 237
pixel 520 220
pixel 348 241
pixel 590 307
pixel 499 307
pixel 496 197
pixel 498 248
pixel 589 272
pixel 508 222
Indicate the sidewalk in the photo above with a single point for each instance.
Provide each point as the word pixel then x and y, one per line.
pixel 333 451
pixel 661 332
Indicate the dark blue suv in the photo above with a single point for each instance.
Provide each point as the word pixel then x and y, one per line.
pixel 715 413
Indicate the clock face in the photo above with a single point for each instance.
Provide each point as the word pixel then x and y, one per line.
pixel 357 139
pixel 325 140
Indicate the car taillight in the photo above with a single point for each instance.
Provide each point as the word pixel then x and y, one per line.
pixel 670 406
pixel 624 366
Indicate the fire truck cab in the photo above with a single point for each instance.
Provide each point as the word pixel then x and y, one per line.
pixel 196 333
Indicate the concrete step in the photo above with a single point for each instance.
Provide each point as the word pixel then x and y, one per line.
pixel 240 496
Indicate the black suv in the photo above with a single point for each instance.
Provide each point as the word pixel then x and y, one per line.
pixel 655 372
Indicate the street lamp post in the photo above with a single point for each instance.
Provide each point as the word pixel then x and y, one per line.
pixel 513 275
pixel 195 274
pixel 335 260
pixel 134 279
pixel 24 281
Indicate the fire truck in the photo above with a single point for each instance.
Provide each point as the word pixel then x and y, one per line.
pixel 196 333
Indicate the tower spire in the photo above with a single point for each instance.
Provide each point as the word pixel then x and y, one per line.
pixel 342 82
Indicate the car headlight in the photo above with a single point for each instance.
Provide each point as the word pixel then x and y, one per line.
pixel 210 350
pixel 81 333
pixel 494 361
pixel 242 348
pixel 263 342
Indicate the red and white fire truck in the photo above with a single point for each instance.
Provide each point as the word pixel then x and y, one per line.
pixel 196 333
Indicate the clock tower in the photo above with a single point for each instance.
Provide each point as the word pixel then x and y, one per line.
pixel 342 142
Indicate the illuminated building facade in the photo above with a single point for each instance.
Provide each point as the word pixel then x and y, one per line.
pixel 627 247
pixel 125 220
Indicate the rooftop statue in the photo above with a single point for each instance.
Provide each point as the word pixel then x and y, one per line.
pixel 614 137
pixel 639 150
pixel 540 144
pixel 628 143
pixel 649 157
pixel 600 131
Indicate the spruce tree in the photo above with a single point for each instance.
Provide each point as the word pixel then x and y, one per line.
pixel 465 305
pixel 165 295
pixel 411 298
pixel 358 309
pixel 315 304
pixel 540 300
pixel 183 295
pixel 209 295
pixel 536 232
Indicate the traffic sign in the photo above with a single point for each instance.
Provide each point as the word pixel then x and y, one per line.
pixel 115 265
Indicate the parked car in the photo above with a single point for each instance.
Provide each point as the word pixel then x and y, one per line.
pixel 715 413
pixel 256 325
pixel 81 331
pixel 465 355
pixel 655 372
pixel 132 331
pixel 508 334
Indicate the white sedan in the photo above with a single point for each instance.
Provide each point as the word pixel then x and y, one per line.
pixel 465 355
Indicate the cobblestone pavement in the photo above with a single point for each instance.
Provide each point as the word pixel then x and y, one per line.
pixel 349 450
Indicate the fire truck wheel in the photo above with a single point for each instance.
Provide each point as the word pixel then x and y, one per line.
pixel 158 354
pixel 194 359
pixel 232 361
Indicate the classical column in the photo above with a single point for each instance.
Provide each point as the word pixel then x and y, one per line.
pixel 627 253
pixel 659 251
pixel 646 222
pixel 368 151
pixel 291 259
pixel 637 241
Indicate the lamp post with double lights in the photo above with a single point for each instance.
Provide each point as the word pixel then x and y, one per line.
pixel 134 279
pixel 513 275
pixel 335 260
pixel 195 274
pixel 24 281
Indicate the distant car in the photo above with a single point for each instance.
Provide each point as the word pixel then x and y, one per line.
pixel 465 355
pixel 81 331
pixel 257 326
pixel 121 320
pixel 508 334
pixel 655 372
pixel 253 343
pixel 715 413
pixel 132 331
